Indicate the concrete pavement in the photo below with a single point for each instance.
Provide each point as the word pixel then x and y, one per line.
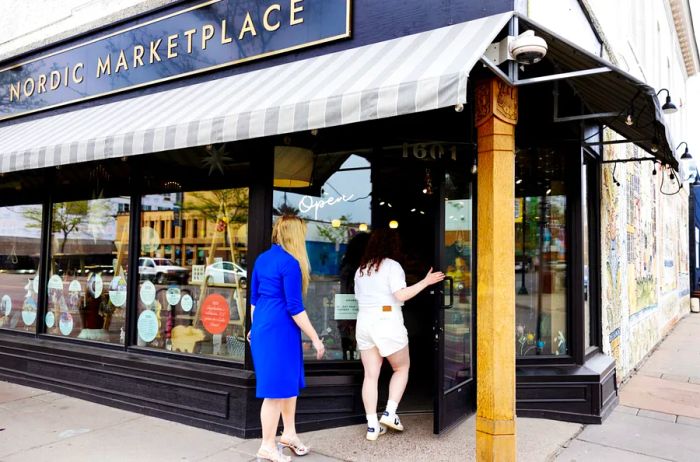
pixel 659 415
pixel 659 419
pixel 36 426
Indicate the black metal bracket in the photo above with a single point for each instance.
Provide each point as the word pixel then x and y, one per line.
pixel 633 159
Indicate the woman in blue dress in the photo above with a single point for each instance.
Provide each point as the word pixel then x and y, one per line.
pixel 280 278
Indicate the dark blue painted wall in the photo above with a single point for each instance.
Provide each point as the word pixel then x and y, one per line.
pixel 373 21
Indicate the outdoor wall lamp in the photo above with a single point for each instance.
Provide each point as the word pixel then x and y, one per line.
pixel 655 145
pixel 668 107
pixel 687 164
pixel 629 120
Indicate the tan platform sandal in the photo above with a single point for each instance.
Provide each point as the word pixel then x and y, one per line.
pixel 271 455
pixel 295 445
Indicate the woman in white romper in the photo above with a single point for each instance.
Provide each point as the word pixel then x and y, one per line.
pixel 380 289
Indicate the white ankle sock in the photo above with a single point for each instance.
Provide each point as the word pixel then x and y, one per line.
pixel 372 421
pixel 391 407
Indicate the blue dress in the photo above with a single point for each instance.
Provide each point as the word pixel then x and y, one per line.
pixel 275 339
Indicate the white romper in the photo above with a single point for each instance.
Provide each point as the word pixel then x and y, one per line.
pixel 380 320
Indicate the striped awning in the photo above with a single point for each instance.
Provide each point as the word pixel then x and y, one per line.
pixel 410 74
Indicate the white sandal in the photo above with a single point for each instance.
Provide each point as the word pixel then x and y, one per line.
pixel 271 455
pixel 295 445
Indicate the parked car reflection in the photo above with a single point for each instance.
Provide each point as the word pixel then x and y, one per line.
pixel 162 270
pixel 226 272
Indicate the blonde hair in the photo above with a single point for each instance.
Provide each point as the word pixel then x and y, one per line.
pixel 289 231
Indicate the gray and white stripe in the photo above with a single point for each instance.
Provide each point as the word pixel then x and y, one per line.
pixel 406 75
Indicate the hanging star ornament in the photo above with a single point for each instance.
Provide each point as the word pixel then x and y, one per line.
pixel 216 159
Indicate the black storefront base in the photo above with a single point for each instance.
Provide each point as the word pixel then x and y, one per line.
pixel 222 399
pixel 212 397
pixel 572 393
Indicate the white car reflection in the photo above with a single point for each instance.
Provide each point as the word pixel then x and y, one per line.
pixel 226 272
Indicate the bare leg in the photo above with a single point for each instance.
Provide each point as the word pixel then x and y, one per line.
pixel 372 363
pixel 269 419
pixel 289 408
pixel 400 363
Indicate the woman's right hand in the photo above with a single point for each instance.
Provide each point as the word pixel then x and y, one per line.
pixel 432 278
pixel 320 348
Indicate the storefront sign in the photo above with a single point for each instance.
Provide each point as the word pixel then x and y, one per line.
pixel 215 314
pixel 345 307
pixel 65 323
pixel 429 151
pixel 207 36
pixel 147 326
pixel 308 203
pixel 6 305
pixel 29 312
pixel 147 293
pixel 186 303
pixel 117 291
pixel 50 319
pixel 173 295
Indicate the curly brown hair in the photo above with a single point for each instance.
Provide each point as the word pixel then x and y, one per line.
pixel 383 243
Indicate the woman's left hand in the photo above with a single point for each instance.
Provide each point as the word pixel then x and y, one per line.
pixel 320 348
pixel 248 336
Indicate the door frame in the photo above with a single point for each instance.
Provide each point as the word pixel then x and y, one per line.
pixel 442 420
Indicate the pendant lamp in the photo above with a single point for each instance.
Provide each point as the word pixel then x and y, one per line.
pixel 293 167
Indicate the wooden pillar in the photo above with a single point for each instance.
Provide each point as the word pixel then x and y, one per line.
pixel 496 117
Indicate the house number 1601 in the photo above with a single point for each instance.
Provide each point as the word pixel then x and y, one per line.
pixel 428 151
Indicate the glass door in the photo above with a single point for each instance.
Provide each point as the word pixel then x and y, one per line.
pixel 454 314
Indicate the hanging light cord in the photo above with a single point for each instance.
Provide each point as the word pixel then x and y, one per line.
pixel 661 189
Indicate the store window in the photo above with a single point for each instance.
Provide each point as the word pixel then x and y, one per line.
pixel 20 249
pixel 87 287
pixel 332 193
pixel 540 253
pixel 192 289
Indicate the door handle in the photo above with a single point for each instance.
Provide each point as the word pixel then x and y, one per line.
pixel 451 281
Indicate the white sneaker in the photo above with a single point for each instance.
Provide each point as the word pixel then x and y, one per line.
pixel 391 421
pixel 373 433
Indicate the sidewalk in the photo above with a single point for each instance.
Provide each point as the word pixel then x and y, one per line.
pixel 36 425
pixel 659 419
pixel 659 413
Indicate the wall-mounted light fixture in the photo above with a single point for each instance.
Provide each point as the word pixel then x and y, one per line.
pixel 655 145
pixel 668 107
pixel 629 120
pixel 687 163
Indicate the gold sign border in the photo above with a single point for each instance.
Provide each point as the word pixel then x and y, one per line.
pixel 347 34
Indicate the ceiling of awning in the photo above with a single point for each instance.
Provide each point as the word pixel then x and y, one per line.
pixel 615 91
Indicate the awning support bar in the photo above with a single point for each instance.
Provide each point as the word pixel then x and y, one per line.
pixel 563 75
pixel 496 70
pixel 604 143
pixel 632 159
pixel 598 115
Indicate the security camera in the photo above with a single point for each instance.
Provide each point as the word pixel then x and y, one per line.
pixel 527 48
